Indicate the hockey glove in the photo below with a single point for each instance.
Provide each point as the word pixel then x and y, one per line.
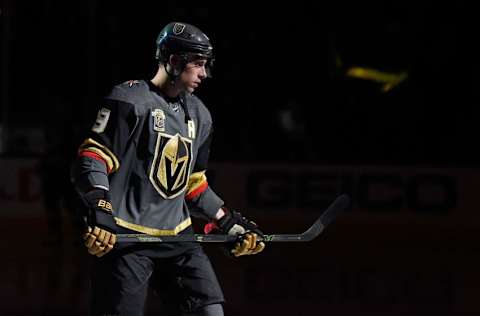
pixel 233 223
pixel 100 236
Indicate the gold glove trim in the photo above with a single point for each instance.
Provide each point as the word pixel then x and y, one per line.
pixel 154 231
pixel 248 246
pixel 103 151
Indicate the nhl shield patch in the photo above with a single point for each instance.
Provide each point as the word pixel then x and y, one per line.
pixel 158 120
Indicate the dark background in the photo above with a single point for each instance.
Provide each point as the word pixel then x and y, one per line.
pixel 59 58
pixel 279 94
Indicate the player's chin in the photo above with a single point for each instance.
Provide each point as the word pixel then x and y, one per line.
pixel 193 86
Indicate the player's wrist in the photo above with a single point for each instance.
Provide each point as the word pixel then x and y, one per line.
pixel 234 223
pixel 220 213
pixel 100 213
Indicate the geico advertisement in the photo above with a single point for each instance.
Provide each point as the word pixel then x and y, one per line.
pixel 277 188
pixel 20 187
pixel 373 189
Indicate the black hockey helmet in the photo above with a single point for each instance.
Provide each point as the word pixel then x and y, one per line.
pixel 186 41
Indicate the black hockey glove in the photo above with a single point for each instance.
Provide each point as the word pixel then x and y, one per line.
pixel 100 236
pixel 233 223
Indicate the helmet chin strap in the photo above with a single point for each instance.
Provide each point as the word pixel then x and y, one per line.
pixel 172 72
pixel 172 76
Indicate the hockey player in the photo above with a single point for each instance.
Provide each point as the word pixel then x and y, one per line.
pixel 142 170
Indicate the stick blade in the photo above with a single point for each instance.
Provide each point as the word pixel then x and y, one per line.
pixel 335 209
pixel 331 213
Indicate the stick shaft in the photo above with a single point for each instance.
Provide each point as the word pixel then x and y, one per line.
pixel 332 212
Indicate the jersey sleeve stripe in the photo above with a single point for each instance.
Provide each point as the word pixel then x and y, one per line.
pixel 93 155
pixel 197 183
pixel 104 157
pixel 91 145
pixel 193 194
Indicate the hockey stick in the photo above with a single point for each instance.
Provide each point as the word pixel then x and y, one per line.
pixel 318 226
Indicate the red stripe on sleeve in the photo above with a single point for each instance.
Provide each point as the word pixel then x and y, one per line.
pixel 91 154
pixel 197 191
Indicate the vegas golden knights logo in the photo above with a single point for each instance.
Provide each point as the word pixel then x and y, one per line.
pixel 171 165
pixel 178 28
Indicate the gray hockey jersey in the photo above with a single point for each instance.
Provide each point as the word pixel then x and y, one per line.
pixel 151 153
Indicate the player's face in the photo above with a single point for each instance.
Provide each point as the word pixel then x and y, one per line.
pixel 193 74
